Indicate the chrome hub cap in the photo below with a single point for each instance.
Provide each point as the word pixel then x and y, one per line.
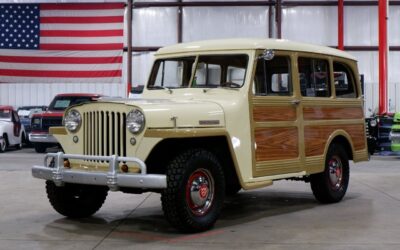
pixel 335 172
pixel 200 192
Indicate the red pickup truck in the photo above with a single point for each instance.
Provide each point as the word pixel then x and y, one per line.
pixel 40 136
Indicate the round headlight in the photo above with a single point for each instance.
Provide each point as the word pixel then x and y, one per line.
pixel 135 121
pixel 72 120
pixel 373 123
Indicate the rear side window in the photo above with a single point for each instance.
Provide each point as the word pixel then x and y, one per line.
pixel 344 81
pixel 314 77
pixel 273 77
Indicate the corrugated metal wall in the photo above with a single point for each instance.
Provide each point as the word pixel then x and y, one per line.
pixel 158 27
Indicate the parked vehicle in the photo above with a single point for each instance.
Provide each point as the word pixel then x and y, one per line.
pixel 395 133
pixel 215 117
pixel 12 132
pixel 41 123
pixel 25 114
pixel 384 129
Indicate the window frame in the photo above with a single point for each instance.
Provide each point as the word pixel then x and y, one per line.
pixel 292 65
pixel 313 56
pixel 354 80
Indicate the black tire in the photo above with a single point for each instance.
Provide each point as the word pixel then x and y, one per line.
pixel 74 200
pixel 39 148
pixel 195 191
pixel 331 185
pixel 3 146
pixel 232 188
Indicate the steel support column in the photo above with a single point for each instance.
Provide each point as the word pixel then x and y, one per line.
pixel 129 45
pixel 340 24
pixel 383 57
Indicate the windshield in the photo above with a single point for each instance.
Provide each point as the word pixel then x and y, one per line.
pixel 63 102
pixel 211 71
pixel 5 114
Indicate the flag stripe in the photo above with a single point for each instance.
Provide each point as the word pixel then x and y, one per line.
pixel 61 73
pixel 88 19
pixel 81 40
pixel 56 46
pixel 81 33
pixel 78 26
pixel 21 79
pixel 81 12
pixel 81 6
pixel 60 60
pixel 61 67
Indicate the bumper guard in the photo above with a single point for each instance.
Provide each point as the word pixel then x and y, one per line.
pixel 113 178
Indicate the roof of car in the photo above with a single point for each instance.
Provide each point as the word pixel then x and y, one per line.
pixel 4 107
pixel 247 43
pixel 80 94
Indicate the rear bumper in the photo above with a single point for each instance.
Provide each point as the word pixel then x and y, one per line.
pixel 42 137
pixel 113 178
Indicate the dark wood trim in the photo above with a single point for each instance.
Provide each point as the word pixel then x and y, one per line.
pixel 329 113
pixel 271 114
pixel 276 143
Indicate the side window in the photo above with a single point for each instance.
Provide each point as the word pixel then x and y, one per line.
pixel 273 77
pixel 314 77
pixel 344 81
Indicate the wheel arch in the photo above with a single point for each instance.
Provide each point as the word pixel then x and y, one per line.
pixel 169 148
pixel 341 137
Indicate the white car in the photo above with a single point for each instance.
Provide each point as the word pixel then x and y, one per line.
pixel 12 132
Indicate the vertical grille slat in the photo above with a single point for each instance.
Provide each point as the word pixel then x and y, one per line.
pixel 104 133
pixel 119 134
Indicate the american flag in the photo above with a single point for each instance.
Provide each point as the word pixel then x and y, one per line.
pixel 61 43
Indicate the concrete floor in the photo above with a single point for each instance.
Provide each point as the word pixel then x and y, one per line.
pixel 283 216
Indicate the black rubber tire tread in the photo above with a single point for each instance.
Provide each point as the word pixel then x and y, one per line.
pixel 320 182
pixel 232 189
pixel 2 150
pixel 39 148
pixel 75 200
pixel 173 198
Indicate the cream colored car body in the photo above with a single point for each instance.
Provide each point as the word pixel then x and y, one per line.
pixel 197 112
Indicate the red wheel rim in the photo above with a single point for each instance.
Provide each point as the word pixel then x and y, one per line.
pixel 335 172
pixel 200 192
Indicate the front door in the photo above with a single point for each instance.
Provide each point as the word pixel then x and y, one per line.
pixel 276 117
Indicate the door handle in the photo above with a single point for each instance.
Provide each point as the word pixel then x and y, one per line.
pixel 296 102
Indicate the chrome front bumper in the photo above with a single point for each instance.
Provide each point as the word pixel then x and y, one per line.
pixel 114 179
pixel 46 138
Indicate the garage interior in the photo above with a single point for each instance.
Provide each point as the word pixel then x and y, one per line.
pixel 282 216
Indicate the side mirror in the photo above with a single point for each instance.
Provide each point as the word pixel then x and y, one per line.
pixel 267 55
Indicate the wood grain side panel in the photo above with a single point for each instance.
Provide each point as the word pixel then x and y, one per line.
pixel 276 143
pixel 266 114
pixel 331 113
pixel 316 137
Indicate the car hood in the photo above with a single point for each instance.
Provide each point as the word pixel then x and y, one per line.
pixel 170 113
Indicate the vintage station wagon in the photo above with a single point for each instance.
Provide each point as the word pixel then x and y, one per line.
pixel 215 117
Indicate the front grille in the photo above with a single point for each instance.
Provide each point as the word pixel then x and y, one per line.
pixel 104 133
pixel 367 127
pixel 46 123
